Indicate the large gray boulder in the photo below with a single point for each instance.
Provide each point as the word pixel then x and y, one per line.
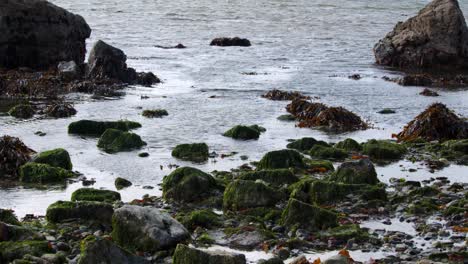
pixel 38 34
pixel 103 251
pixel 436 38
pixel 146 229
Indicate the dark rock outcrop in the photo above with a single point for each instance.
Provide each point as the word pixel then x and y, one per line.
pixel 13 154
pixel 279 95
pixel 38 34
pixel 226 42
pixel 436 38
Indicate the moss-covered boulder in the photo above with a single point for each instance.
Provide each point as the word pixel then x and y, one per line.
pixel 277 177
pixel 349 144
pixel 55 158
pixel 307 216
pixel 9 217
pixel 281 159
pixel 384 150
pixel 320 165
pixel 89 194
pixel 10 251
pixel 189 255
pixel 11 232
pixel 155 113
pixel 188 184
pixel 305 144
pixel 32 172
pixel 146 229
pixel 240 195
pixel 197 152
pixel 200 218
pixel 356 172
pixel 114 140
pixel 23 111
pixel 96 128
pixel 244 132
pixel 327 152
pixel 121 183
pixel 83 210
pixel 97 250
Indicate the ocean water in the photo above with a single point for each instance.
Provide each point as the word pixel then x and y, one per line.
pixel 303 45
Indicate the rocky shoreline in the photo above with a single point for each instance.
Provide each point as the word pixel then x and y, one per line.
pixel 311 196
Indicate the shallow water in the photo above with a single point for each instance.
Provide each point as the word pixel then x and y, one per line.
pixel 297 44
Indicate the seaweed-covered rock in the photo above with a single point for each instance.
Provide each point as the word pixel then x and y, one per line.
pixel 23 111
pixel 427 92
pixel 320 165
pixel 437 122
pixel 9 217
pixel 242 194
pixel 281 159
pixel 55 158
pixel 60 110
pixel 356 172
pixel 307 216
pixel 10 232
pixel 12 250
pixel 305 144
pixel 114 140
pixel 89 194
pixel 327 152
pixel 97 128
pixel 13 154
pixel 244 132
pixel 227 42
pixel 277 177
pixel 189 185
pixel 383 150
pixel 436 38
pixel 197 152
pixel 121 183
pixel 188 255
pixel 200 218
pixel 32 172
pixel 335 119
pixel 83 210
pixel 37 34
pixel 146 229
pixel 103 251
pixel 147 79
pixel 349 144
pixel 155 113
pixel 279 95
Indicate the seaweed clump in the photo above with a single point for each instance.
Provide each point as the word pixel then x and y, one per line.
pixel 13 154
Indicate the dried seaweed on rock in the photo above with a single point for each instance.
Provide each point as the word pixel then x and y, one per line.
pixel 279 95
pixel 13 154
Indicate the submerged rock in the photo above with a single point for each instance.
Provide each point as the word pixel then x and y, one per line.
pixel 60 110
pixel 32 172
pixel 38 34
pixel 307 216
pixel 226 42
pixel 197 152
pixel 24 111
pixel 13 154
pixel 188 184
pixel 245 132
pixel 146 229
pixel 89 194
pixel 103 251
pixel 97 128
pixel 436 38
pixel 156 113
pixel 83 210
pixel 240 195
pixel 114 140
pixel 281 159
pixel 356 172
pixel 279 95
pixel 55 158
pixel 335 119
pixel 188 255
pixel 437 122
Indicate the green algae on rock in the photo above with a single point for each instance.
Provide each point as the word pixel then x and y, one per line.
pixel 32 172
pixel 196 152
pixel 83 210
pixel 97 128
pixel 23 111
pixel 298 214
pixel 305 144
pixel 244 132
pixel 155 113
pixel 281 159
pixel 90 194
pixel 10 251
pixel 200 218
pixel 55 158
pixel 188 255
pixel 320 165
pixel 383 150
pixel 277 177
pixel 8 217
pixel 326 152
pixel 240 195
pixel 98 250
pixel 121 183
pixel 189 185
pixel 349 144
pixel 356 172
pixel 114 140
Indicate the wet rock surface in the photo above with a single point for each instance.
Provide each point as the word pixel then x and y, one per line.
pixel 227 42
